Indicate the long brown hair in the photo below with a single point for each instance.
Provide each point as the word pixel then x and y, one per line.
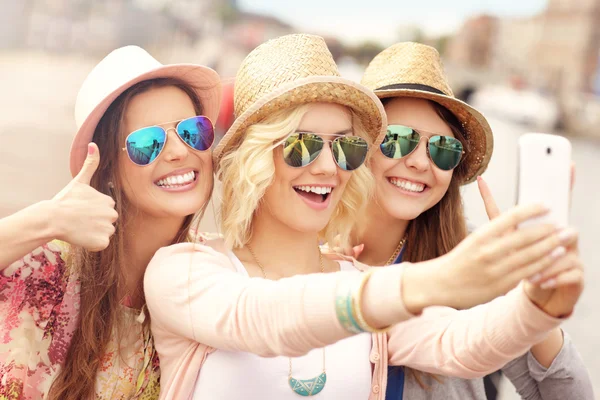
pixel 101 274
pixel 438 230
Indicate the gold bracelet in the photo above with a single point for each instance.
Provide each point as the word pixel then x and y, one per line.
pixel 357 311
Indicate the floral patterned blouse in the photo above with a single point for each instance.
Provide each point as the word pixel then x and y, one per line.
pixel 39 305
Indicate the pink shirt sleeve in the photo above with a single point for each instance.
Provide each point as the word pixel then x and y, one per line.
pixel 470 343
pixel 192 291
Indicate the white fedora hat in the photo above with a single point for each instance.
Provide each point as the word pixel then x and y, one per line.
pixel 120 70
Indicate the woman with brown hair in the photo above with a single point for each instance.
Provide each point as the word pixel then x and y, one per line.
pixel 72 319
pixel 418 205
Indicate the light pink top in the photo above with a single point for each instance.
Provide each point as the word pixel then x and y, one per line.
pixel 199 303
pixel 252 377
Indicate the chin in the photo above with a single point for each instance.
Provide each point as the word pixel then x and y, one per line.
pixel 308 225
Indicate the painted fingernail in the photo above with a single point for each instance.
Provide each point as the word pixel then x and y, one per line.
pixel 550 283
pixel 558 252
pixel 91 149
pixel 567 234
pixel 536 278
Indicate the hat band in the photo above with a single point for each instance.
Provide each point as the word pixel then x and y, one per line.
pixel 412 86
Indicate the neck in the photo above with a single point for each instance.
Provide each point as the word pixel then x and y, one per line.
pixel 145 235
pixel 379 248
pixel 281 250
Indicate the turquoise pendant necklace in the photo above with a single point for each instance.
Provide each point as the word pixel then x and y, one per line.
pixel 308 387
pixel 303 387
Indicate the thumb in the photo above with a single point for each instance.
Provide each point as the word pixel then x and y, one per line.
pixel 90 165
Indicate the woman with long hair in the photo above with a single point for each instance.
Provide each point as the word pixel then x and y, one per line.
pixel 72 309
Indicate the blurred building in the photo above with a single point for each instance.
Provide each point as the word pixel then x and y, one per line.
pixel 91 26
pixel 556 51
pixel 473 44
pixel 568 49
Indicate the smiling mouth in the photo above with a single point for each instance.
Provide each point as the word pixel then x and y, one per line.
pixel 175 181
pixel 317 194
pixel 407 185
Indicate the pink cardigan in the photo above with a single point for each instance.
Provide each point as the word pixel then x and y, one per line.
pixel 198 303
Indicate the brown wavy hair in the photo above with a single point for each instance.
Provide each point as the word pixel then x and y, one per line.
pixel 100 273
pixel 438 230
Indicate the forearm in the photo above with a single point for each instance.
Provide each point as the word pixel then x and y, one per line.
pixel 564 378
pixel 24 231
pixel 545 351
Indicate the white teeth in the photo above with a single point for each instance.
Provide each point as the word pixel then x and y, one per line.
pixel 315 189
pixel 408 186
pixel 177 180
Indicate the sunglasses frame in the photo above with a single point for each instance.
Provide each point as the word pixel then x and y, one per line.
pixel 421 136
pixel 320 135
pixel 166 130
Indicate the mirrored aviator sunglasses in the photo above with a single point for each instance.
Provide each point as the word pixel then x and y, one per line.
pixel 301 149
pixel 445 151
pixel 144 145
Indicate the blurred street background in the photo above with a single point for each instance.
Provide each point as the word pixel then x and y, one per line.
pixel 528 65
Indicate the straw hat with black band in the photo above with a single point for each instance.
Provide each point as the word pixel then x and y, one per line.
pixel 290 71
pixel 415 70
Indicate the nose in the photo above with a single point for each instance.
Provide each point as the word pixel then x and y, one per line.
pixel 175 149
pixel 324 164
pixel 418 160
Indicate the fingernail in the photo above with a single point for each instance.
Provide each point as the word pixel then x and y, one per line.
pixel 536 278
pixel 550 283
pixel 91 149
pixel 558 252
pixel 567 234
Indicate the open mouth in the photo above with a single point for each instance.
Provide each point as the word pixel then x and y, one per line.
pixel 177 181
pixel 408 186
pixel 315 194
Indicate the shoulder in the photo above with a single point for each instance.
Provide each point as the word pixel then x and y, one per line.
pixel 180 260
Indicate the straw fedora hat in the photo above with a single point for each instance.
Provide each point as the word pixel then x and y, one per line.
pixel 415 70
pixel 289 71
pixel 120 70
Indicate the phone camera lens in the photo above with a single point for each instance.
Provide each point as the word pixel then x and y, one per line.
pixel 548 150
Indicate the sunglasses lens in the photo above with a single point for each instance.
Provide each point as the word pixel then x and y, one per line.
pixel 399 141
pixel 197 132
pixel 144 145
pixel 445 151
pixel 300 149
pixel 350 152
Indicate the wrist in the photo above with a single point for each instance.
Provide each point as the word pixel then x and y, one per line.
pixel 420 286
pixel 48 216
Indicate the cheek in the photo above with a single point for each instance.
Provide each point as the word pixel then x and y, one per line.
pixel 135 181
pixel 443 179
pixel 380 165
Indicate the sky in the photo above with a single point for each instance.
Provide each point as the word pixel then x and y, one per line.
pixel 385 21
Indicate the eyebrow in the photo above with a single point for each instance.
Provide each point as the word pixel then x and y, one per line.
pixel 340 133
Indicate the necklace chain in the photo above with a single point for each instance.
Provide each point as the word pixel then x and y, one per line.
pixel 264 274
pixel 396 252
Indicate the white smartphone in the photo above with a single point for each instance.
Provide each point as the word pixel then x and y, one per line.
pixel 545 176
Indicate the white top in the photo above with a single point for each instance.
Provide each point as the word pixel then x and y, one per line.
pixel 238 375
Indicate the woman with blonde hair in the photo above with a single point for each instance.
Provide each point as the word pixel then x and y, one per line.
pixel 72 319
pixel 417 203
pixel 262 314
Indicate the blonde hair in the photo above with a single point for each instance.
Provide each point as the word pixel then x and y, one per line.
pixel 248 170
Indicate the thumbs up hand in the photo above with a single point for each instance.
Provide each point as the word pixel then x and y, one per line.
pixel 84 216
